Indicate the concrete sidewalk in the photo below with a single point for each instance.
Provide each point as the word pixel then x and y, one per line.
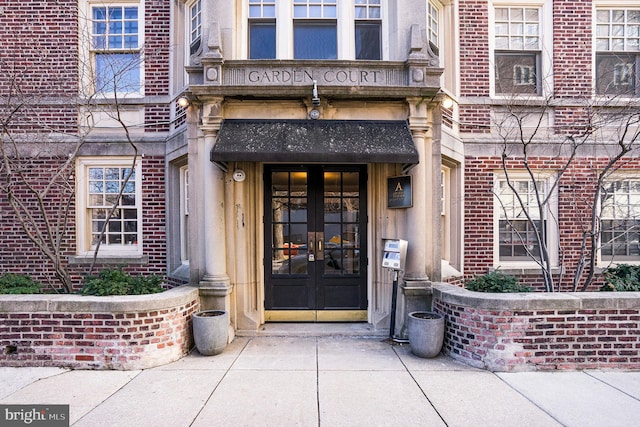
pixel 327 381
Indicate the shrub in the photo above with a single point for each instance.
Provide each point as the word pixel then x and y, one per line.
pixel 622 278
pixel 496 282
pixel 18 284
pixel 117 282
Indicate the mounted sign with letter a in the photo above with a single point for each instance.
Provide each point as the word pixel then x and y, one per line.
pixel 399 192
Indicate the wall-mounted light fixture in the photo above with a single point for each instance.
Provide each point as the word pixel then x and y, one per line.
pixel 447 102
pixel 183 102
pixel 315 100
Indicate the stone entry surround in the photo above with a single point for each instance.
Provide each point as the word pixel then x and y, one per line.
pixel 540 331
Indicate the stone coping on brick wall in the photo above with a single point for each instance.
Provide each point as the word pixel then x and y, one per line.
pixel 536 300
pixel 75 303
pixel 89 332
pixel 540 331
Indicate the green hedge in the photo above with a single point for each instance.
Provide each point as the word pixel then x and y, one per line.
pixel 622 278
pixel 496 282
pixel 117 282
pixel 11 283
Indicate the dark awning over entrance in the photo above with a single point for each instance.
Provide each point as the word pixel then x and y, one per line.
pixel 343 141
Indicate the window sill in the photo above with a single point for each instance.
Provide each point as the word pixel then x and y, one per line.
pixel 513 270
pixel 114 260
pixel 603 265
pixel 182 272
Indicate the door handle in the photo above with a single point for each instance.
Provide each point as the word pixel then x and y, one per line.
pixel 315 245
pixel 311 244
pixel 320 245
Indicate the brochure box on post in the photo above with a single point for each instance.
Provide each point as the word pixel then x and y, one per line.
pixel 394 254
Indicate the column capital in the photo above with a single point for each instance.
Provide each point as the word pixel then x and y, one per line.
pixel 212 115
pixel 418 114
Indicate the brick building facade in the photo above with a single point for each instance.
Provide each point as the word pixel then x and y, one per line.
pixel 345 94
pixel 45 97
pixel 574 89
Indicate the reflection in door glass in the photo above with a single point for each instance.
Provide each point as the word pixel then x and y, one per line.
pixel 341 227
pixel 289 222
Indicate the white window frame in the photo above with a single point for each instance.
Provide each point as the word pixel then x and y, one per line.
pixel 551 215
pixel 617 259
pixel 184 214
pixel 546 46
pixel 368 6
pixel 613 5
pixel 88 53
pixel 264 11
pixel 445 211
pixel 434 16
pixel 84 247
pixel 284 30
pixel 193 26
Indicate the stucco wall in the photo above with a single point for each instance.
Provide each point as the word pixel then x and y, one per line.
pixel 540 331
pixel 116 332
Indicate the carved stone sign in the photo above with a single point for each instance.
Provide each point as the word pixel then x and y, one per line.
pixel 334 76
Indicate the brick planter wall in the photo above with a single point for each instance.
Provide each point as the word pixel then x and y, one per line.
pixel 540 331
pixel 116 332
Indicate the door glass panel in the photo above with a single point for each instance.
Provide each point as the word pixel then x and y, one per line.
pixel 289 222
pixel 341 215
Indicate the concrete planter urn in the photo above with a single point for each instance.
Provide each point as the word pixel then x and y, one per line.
pixel 211 331
pixel 426 333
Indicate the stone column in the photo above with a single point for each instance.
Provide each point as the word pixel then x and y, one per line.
pixel 215 287
pixel 419 215
pixel 423 220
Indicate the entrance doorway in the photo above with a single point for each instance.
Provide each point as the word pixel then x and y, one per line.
pixel 315 243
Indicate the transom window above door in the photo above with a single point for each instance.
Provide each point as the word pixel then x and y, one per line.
pixel 314 29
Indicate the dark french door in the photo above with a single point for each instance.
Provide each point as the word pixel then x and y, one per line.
pixel 315 243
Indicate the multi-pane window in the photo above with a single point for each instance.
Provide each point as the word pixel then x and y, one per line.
pixel 433 20
pixel 368 29
pixel 195 27
pixel 184 214
pixel 315 29
pixel 105 185
pixel 519 219
pixel 617 51
pixel 115 47
pixel 112 208
pixel 262 29
pixel 517 50
pixel 620 220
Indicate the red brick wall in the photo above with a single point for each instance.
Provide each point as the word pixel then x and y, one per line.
pixel 474 47
pixel 19 255
pixel 42 61
pixel 474 64
pixel 39 69
pixel 39 63
pixel 560 336
pixel 571 59
pixel 86 334
pixel 157 61
pixel 475 118
pixel 575 194
pixel 572 48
